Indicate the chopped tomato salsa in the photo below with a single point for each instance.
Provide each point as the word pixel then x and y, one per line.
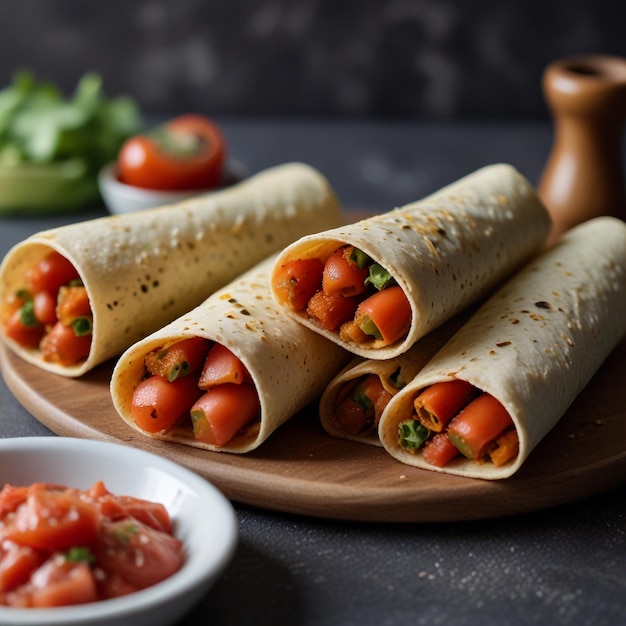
pixel 51 313
pixel 62 546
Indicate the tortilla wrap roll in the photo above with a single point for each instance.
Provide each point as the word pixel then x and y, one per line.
pixel 526 354
pixel 351 405
pixel 141 270
pixel 286 364
pixel 382 283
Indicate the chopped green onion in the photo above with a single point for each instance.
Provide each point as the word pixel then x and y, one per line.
pixel 78 554
pixel 124 534
pixel 82 326
pixel 412 435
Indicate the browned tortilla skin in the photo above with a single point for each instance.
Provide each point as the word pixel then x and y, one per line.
pixel 445 251
pixel 143 269
pixel 290 365
pixel 534 344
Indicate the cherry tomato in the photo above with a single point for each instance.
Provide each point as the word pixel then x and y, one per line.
pixel 45 308
pixel 62 345
pixel 50 273
pixel 187 152
pixel 343 277
pixel 26 335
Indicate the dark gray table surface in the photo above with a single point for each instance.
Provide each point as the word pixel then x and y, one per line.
pixel 565 565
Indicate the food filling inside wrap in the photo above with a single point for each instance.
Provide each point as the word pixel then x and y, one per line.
pixel 453 418
pixel 348 293
pixel 198 381
pixel 51 313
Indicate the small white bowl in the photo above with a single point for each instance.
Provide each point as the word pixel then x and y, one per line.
pixel 203 519
pixel 122 198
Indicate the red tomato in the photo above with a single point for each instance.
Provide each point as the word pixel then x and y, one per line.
pixel 114 586
pixel 50 273
pixel 45 308
pixel 61 345
pixel 120 507
pixel 53 520
pixel 297 281
pixel 140 555
pixel 26 336
pixel 343 277
pixel 10 498
pixel 222 411
pixel 59 582
pixel 222 366
pixel 16 564
pixel 158 404
pixel 187 152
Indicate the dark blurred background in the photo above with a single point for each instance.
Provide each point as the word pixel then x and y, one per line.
pixel 419 59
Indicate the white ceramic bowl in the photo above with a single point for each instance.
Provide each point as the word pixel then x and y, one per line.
pixel 122 198
pixel 203 519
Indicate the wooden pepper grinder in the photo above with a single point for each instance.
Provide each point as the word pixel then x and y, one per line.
pixel 584 175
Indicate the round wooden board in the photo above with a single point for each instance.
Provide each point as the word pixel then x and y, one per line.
pixel 302 470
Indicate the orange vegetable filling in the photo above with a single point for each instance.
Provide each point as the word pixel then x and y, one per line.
pixel 454 418
pixel 347 293
pixel 51 313
pixel 361 405
pixel 100 545
pixel 199 383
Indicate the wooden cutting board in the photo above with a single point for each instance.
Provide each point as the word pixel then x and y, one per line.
pixel 302 470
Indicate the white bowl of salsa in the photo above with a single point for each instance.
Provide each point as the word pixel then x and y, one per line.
pixel 202 519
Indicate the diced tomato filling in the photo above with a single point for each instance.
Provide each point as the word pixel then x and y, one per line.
pixel 214 395
pixel 360 408
pixel 453 418
pixel 62 546
pixel 51 313
pixel 346 293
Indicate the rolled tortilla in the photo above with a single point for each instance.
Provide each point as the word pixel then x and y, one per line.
pixel 445 251
pixel 289 364
pixel 533 345
pixel 393 375
pixel 142 270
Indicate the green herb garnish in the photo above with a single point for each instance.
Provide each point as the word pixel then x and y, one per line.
pixel 79 554
pixel 412 435
pixel 379 277
pixel 27 314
